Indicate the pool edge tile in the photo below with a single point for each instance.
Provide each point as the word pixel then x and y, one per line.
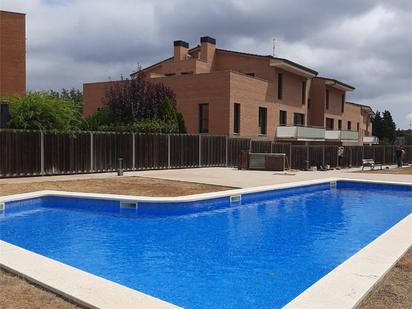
pixel 350 282
pixel 74 284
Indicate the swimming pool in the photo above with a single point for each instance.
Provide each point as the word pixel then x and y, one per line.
pixel 260 251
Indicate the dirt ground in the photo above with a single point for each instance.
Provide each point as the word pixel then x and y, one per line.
pixel 17 293
pixel 394 292
pixel 404 170
pixel 126 185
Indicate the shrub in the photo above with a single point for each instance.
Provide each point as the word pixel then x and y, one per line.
pixel 40 111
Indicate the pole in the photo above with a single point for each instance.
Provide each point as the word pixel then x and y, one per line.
pixel 168 151
pixel 134 151
pixel 42 172
pixel 91 152
pixel 200 150
pixel 227 150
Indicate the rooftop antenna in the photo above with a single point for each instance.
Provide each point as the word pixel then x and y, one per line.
pixel 273 46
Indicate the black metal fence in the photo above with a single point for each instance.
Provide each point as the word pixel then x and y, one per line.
pixel 30 153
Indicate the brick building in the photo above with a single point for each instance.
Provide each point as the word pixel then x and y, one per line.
pixel 233 93
pixel 12 53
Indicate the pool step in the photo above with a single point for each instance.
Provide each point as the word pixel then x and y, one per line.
pixel 2 207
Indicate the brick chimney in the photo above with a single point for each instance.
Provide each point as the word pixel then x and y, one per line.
pixel 207 48
pixel 180 50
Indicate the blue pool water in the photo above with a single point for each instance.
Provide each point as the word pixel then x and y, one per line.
pixel 260 254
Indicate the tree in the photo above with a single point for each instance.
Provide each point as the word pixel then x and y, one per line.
pixel 42 111
pixel 75 96
pixel 389 127
pixel 139 104
pixel 384 127
pixel 377 125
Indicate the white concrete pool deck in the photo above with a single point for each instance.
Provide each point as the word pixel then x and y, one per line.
pixel 224 176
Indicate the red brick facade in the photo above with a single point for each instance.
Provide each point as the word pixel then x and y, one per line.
pixel 13 53
pixel 222 78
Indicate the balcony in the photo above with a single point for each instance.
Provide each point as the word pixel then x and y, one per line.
pixel 341 136
pixel 370 140
pixel 300 133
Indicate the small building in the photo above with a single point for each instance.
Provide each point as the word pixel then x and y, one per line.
pixel 13 53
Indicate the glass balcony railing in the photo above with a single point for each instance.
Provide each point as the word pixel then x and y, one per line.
pixel 300 133
pixel 370 140
pixel 340 135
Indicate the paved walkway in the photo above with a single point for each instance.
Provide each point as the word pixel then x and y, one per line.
pixel 244 179
pixel 227 176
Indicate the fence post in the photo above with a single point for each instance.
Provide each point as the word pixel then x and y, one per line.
pixel 134 151
pixel 271 146
pixel 168 150
pixel 91 152
pixel 323 155
pixel 290 156
pixel 227 150
pixel 363 152
pixel 42 172
pixel 350 156
pixel 200 150
pixel 250 145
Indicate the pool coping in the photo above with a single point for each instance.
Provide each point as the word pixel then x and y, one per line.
pixel 344 287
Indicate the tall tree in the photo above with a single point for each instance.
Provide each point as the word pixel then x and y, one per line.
pixel 75 96
pixel 377 125
pixel 389 127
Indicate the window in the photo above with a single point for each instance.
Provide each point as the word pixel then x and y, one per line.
pixel 204 118
pixel 349 125
pixel 282 118
pixel 357 127
pixel 343 102
pixel 339 124
pixel 298 119
pixel 262 120
pixel 280 86
pixel 236 118
pixel 329 124
pixel 251 74
pixel 327 98
pixel 303 92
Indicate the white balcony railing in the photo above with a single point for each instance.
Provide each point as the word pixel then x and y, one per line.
pixel 300 133
pixel 370 140
pixel 338 135
pixel 313 133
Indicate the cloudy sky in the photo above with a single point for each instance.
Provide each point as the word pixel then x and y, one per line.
pixel 366 43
